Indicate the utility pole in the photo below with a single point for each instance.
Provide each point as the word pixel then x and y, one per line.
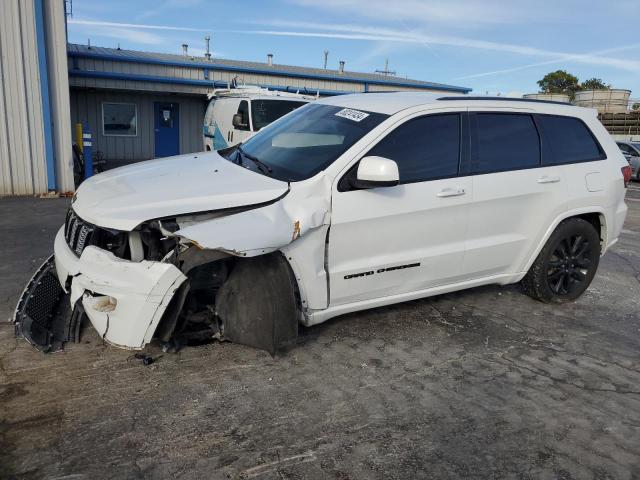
pixel 326 56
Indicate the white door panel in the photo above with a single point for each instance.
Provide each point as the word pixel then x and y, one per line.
pixel 510 213
pixel 511 209
pixel 391 240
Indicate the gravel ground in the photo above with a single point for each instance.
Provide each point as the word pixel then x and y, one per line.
pixel 484 383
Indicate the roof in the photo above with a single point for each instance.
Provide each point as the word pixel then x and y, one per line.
pixel 114 54
pixel 393 102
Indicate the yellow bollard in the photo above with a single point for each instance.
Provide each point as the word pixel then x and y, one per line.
pixel 79 135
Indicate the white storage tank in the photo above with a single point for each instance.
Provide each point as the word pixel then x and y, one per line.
pixel 615 100
pixel 554 97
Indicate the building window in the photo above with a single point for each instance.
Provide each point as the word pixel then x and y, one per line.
pixel 119 119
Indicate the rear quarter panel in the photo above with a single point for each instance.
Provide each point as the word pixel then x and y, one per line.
pixel 598 186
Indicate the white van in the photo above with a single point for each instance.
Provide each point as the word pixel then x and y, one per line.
pixel 348 203
pixel 235 114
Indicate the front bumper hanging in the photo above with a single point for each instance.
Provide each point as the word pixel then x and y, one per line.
pixel 43 315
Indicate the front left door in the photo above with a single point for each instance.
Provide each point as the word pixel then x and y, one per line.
pixel 392 240
pixel 167 129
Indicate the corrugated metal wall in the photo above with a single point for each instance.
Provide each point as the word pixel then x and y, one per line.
pixel 192 73
pixel 59 92
pixel 34 98
pixel 22 151
pixel 86 106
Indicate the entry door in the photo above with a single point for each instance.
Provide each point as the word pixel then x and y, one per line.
pixel 167 129
pixel 391 240
pixel 516 197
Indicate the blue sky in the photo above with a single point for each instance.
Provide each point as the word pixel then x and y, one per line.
pixel 488 45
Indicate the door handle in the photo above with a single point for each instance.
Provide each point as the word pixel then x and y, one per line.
pixel 549 179
pixel 451 192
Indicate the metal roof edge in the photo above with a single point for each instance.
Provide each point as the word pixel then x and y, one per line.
pixel 263 71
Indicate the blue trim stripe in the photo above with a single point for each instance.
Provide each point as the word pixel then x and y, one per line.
pixel 263 71
pixel 188 81
pixel 49 153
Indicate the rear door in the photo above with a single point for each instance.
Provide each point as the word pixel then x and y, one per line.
pixel 515 197
pixel 391 240
pixel 574 150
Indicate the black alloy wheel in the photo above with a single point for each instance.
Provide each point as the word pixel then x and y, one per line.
pixel 566 264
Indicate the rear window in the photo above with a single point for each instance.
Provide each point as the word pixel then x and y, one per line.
pixel 502 142
pixel 569 140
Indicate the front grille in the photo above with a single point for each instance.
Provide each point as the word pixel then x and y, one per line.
pixel 77 232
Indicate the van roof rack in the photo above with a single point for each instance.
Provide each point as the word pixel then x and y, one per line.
pixel 504 99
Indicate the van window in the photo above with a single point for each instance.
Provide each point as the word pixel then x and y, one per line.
pixel 569 140
pixel 263 112
pixel 243 109
pixel 502 142
pixel 424 148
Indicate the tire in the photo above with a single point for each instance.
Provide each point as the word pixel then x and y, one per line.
pixel 566 265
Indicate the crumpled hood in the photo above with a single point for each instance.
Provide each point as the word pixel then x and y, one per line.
pixel 125 197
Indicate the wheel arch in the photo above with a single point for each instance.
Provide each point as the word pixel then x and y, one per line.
pixel 595 215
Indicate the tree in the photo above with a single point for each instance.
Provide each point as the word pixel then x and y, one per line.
pixel 559 81
pixel 594 84
pixel 635 106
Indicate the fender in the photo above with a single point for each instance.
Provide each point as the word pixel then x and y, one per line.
pixel 264 230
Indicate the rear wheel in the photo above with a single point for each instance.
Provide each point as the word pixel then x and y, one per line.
pixel 566 265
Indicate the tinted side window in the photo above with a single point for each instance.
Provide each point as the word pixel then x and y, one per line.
pixel 502 142
pixel 424 148
pixel 569 140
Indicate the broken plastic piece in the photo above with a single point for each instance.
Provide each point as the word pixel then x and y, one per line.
pixel 43 316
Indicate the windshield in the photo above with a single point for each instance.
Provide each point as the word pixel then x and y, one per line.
pixel 306 141
pixel 263 112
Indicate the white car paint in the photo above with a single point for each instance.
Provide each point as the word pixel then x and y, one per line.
pixel 124 197
pixel 464 231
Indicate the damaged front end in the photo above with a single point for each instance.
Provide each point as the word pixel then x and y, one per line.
pixel 199 276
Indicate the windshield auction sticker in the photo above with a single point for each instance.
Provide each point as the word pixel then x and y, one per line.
pixel 354 115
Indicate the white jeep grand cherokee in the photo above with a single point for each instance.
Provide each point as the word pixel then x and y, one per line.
pixel 347 203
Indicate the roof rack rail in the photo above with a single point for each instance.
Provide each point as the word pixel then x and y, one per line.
pixel 504 99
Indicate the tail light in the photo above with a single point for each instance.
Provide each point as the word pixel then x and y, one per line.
pixel 626 174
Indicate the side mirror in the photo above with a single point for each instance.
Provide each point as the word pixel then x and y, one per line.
pixel 376 172
pixel 238 121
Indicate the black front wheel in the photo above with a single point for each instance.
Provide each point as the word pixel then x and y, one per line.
pixel 566 265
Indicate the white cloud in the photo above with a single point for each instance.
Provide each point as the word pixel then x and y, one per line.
pixel 98 23
pixel 632 65
pixel 132 35
pixel 355 32
pixel 460 13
